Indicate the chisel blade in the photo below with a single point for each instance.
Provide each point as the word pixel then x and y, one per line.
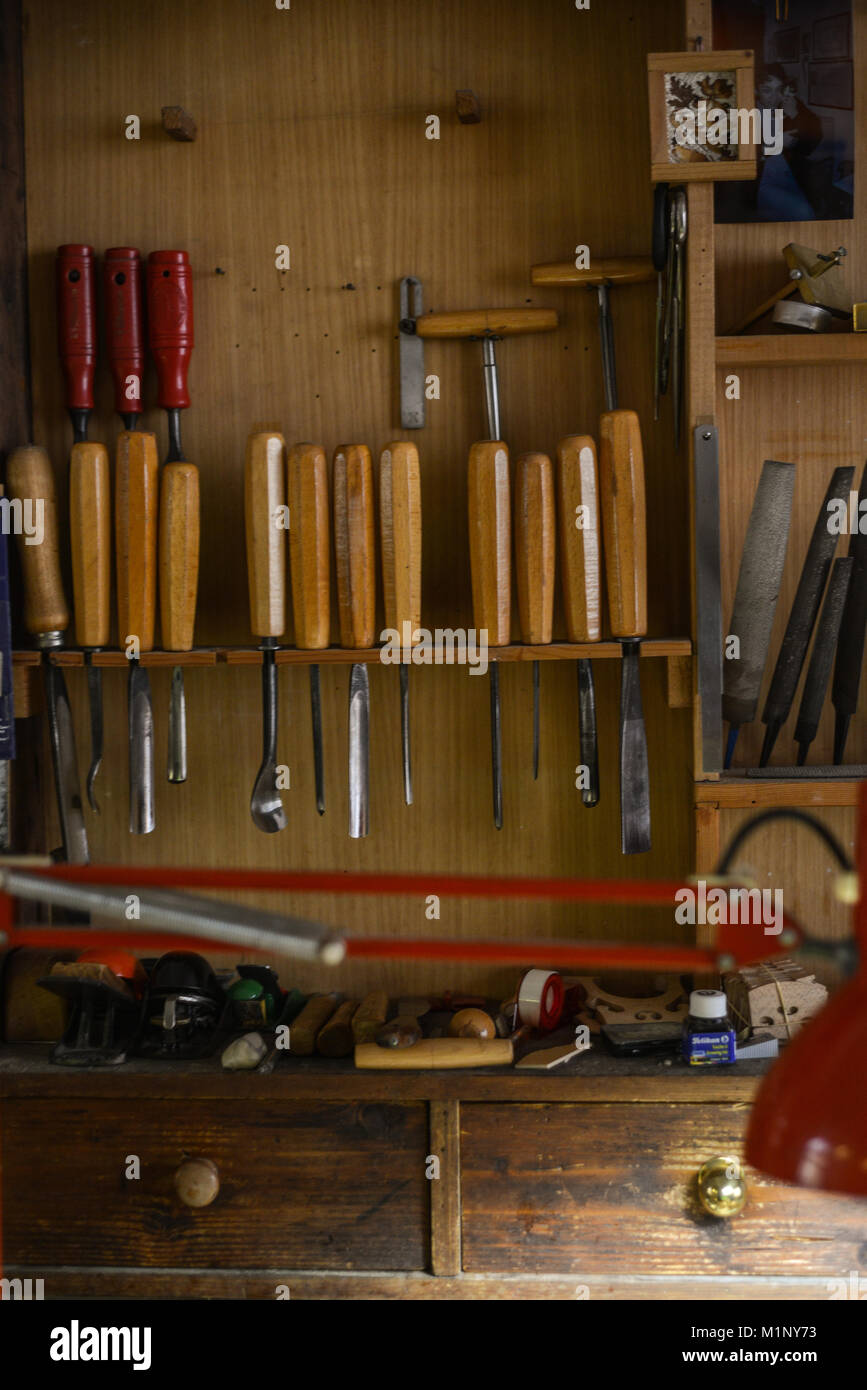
pixel 94 690
pixel 65 765
pixel 176 764
pixel 411 355
pixel 588 733
pixel 359 751
pixel 142 819
pixel 634 775
pixel 850 646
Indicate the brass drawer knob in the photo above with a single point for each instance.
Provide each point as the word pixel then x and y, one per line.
pixel 197 1182
pixel 722 1187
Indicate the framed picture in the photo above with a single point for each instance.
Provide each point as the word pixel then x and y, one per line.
pixel 695 130
pixel 830 84
pixel 831 37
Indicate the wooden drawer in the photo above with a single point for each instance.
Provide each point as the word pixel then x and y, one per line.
pixel 302 1184
pixel 610 1189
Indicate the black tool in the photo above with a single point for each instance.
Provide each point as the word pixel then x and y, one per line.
pixel 819 669
pixel 850 644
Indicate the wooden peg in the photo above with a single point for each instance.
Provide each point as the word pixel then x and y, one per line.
pixel 468 107
pixel 178 123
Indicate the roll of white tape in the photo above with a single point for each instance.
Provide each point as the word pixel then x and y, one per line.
pixel 540 999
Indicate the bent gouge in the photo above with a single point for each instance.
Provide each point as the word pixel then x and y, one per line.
pixel 758 588
pixel 400 533
pixel 802 618
pixel 264 496
pixel 491 573
pixel 850 645
pixel 170 334
pixel 29 478
pixel 90 543
pixel 311 572
pixel 534 562
pixel 819 669
pixel 356 602
pixel 135 512
pixel 580 562
pixel 624 527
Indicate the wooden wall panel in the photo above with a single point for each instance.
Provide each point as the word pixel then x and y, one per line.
pixel 312 133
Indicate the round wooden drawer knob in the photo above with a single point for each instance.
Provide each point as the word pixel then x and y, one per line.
pixel 722 1187
pixel 197 1182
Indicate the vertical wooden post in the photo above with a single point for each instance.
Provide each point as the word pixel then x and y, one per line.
pixel 445 1191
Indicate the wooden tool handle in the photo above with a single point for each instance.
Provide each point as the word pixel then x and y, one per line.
pixel 309 540
pixel 353 544
pixel 179 555
pixel 90 542
pixel 135 514
pixel 534 546
pixel 580 537
pixel 490 540
pixel 400 526
pixel 30 480
pixel 303 1032
pixel 170 324
pixel 620 270
pixel 369 1016
pixel 124 328
pixel 430 1053
pixel 335 1038
pixel 624 526
pixel 264 496
pixel 475 323
pixel 76 322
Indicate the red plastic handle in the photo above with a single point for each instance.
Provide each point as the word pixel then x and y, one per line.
pixel 76 323
pixel 170 324
pixel 124 326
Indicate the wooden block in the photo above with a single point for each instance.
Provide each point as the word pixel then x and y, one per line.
pixel 336 1039
pixel 178 123
pixel 314 1015
pixel 468 106
pixel 369 1016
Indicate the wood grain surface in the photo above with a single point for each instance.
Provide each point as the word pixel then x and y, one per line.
pixel 90 542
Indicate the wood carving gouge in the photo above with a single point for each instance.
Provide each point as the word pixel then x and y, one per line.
pixel 309 559
pixel 580 569
pixel 135 510
pixel 400 528
pixel 264 495
pixel 356 600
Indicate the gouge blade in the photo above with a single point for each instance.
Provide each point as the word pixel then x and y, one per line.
pixel 411 355
pixel 266 807
pixel 94 689
pixel 316 721
pixel 404 733
pixel 176 768
pixel 142 819
pixel 634 775
pixel 65 764
pixel 587 731
pixel 359 751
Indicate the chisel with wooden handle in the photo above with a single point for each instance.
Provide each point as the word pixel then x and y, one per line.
pixel 850 644
pixel 124 329
pixel 309 560
pixel 356 600
pixel 170 333
pixel 264 495
pixel 400 531
pixel 135 512
pixel 30 480
pixel 621 479
pixel 90 527
pixel 534 562
pixel 821 660
pixel 491 570
pixel 580 569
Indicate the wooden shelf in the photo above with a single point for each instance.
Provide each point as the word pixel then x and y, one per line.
pixel 740 793
pixel 791 350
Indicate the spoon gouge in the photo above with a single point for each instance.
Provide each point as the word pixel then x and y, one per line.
pixel 29 479
pixel 580 560
pixel 850 644
pixel 88 468
pixel 135 512
pixel 621 477
pixel 400 527
pixel 170 332
pixel 534 562
pixel 311 572
pixel 264 495
pixel 356 601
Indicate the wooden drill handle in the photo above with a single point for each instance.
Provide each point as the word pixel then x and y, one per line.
pixel 179 554
pixel 620 270
pixel 136 489
pixel 30 480
pixel 353 544
pixel 264 496
pixel 490 540
pixel 624 525
pixel 580 537
pixel 309 557
pixel 534 546
pixel 90 542
pixel 475 323
pixel 400 527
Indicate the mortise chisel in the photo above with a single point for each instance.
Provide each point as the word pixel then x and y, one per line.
pixel 135 513
pixel 534 562
pixel 170 334
pixel 356 601
pixel 400 531
pixel 580 568
pixel 309 560
pixel 850 644
pixel 264 495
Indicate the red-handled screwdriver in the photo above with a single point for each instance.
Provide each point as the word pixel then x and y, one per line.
pixel 170 336
pixel 124 329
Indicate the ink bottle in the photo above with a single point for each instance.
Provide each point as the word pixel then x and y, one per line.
pixel 708 1035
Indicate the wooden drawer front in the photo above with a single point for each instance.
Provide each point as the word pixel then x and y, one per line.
pixel 302 1185
pixel 611 1189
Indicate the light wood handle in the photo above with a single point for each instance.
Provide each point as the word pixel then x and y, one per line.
pixel 335 1039
pixel 619 270
pixel 624 525
pixel 30 480
pixel 303 1031
pixel 369 1016
pixel 400 525
pixel 490 540
pixel 264 496
pixel 135 530
pixel 534 546
pixel 309 542
pixel 474 323
pixel 436 1052
pixel 580 537
pixel 353 544
pixel 90 542
pixel 197 1182
pixel 179 554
